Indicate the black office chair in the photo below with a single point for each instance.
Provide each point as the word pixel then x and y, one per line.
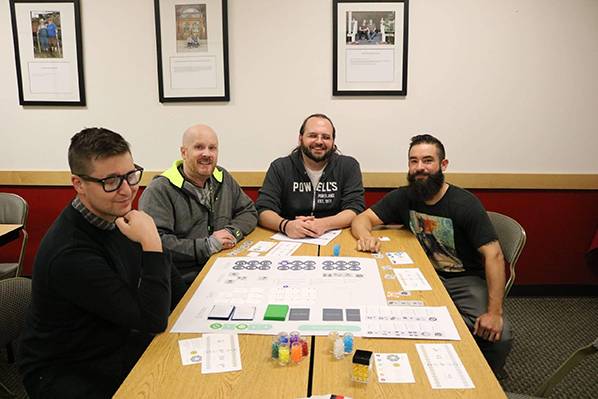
pixel 548 386
pixel 14 210
pixel 15 298
pixel 511 237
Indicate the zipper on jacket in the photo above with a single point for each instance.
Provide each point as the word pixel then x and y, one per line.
pixel 313 201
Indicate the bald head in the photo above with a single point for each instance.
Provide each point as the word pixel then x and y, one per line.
pixel 199 151
pixel 198 131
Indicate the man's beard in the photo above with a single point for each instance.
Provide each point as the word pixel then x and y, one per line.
pixel 425 189
pixel 305 150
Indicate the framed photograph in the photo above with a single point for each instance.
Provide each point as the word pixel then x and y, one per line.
pixel 192 42
pixel 370 47
pixel 48 56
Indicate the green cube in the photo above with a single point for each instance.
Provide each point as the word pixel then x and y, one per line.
pixel 276 312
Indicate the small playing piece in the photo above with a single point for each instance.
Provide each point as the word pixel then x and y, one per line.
pixel 362 361
pixel 276 312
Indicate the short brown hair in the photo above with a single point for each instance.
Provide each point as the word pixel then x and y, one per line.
pixel 94 143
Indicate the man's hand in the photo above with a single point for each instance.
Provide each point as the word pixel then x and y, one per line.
pixel 138 226
pixel 317 226
pixel 489 327
pixel 368 244
pixel 300 227
pixel 225 238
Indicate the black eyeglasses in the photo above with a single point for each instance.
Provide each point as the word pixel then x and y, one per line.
pixel 113 183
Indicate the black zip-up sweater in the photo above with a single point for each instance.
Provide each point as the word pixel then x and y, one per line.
pixel 288 191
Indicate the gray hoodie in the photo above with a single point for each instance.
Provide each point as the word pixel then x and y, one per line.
pixel 185 223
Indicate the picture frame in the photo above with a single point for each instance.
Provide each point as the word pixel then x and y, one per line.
pixel 370 43
pixel 192 50
pixel 48 52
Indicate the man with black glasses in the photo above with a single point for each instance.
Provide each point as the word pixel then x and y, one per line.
pixel 102 286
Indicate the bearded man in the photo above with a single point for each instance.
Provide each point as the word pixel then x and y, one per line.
pixel 314 189
pixel 454 229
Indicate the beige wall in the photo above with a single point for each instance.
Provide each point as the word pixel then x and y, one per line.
pixel 509 86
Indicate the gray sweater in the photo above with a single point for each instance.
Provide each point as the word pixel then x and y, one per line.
pixel 185 224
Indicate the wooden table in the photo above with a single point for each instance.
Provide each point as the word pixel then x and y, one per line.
pixel 9 232
pixel 159 373
pixel 333 376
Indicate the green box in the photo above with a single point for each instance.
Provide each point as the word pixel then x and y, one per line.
pixel 276 312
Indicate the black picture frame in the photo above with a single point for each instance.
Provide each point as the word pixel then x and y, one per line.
pixel 48 59
pixel 194 68
pixel 370 47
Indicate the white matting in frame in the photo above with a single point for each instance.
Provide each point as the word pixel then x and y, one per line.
pixel 192 43
pixel 370 47
pixel 47 40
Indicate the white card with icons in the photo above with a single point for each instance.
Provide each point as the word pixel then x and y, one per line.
pixel 412 279
pixel 262 246
pixel 393 368
pixel 191 350
pixel 443 367
pixel 399 258
pixel 221 353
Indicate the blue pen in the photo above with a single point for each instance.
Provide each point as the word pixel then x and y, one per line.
pixel 336 250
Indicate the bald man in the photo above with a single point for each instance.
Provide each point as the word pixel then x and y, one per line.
pixel 198 207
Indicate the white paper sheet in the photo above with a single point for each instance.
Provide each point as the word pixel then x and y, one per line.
pixel 412 279
pixel 370 65
pixel 191 350
pixel 262 246
pixel 443 367
pixel 301 282
pixel 50 77
pixel 393 368
pixel 284 248
pixel 324 239
pixel 221 353
pixel 399 258
pixel 193 72
pixel 414 322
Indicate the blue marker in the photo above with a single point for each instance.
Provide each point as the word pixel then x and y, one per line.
pixel 336 250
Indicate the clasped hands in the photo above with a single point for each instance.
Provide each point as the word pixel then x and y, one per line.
pixel 305 226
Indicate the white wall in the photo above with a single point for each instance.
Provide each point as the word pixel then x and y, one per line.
pixel 509 86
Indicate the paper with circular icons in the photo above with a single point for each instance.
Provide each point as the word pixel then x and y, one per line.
pixel 412 279
pixel 399 258
pixel 443 367
pixel 310 294
pixel 316 290
pixel 262 246
pixel 393 368
pixel 190 350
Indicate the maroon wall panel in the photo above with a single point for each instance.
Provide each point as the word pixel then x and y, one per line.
pixel 560 225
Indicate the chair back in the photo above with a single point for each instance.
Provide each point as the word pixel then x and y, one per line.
pixel 15 297
pixel 15 210
pixel 511 237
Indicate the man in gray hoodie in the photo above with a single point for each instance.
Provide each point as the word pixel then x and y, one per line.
pixel 198 207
